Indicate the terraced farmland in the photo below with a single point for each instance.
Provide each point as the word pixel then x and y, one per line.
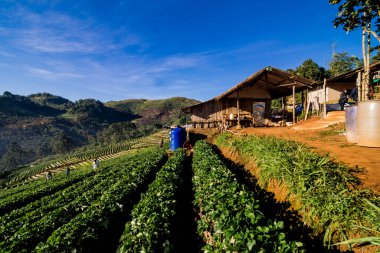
pixel 148 200
pixel 78 160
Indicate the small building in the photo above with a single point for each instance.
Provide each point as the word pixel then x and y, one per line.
pixel 248 102
pixel 335 85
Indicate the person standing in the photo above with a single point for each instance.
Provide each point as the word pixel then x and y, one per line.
pixel 67 171
pixel 354 94
pixel 342 99
pixel 49 175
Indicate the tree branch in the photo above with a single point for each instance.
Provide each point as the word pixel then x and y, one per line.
pixel 373 33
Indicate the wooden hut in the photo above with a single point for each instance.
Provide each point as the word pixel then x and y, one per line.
pixel 334 86
pixel 249 102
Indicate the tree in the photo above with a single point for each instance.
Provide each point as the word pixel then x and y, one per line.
pixel 311 70
pixel 355 14
pixel 364 14
pixel 342 63
pixel 13 157
pixel 61 143
pixel 376 58
pixel 118 132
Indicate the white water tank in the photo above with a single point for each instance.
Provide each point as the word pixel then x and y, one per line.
pixel 368 123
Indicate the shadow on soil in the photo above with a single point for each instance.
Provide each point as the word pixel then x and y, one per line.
pixel 185 236
pixel 114 228
pixel 294 227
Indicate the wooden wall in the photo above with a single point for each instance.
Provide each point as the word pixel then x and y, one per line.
pixel 210 114
pixel 332 92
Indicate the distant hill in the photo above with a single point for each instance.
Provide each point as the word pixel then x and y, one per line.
pixel 47 99
pixel 139 105
pixel 44 124
pixel 15 105
pixel 164 112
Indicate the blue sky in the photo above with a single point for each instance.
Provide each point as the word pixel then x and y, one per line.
pixel 114 50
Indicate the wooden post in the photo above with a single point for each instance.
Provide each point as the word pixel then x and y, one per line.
pixel 324 98
pixel 307 103
pixel 282 103
pixel 359 84
pixel 294 103
pixel 238 111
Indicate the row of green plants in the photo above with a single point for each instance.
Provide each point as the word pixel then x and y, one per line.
pixel 230 219
pixel 26 172
pixel 151 226
pixel 19 175
pixel 6 192
pixel 36 210
pixel 87 230
pixel 51 186
pixel 331 201
pixel 27 237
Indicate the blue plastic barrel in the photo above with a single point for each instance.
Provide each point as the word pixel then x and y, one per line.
pixel 177 137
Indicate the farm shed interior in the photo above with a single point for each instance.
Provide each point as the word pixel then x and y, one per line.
pixel 249 102
pixel 346 81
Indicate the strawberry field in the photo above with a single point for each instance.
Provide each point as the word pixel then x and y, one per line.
pixel 150 201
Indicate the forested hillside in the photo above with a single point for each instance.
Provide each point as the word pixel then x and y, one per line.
pixel 39 125
pixel 163 112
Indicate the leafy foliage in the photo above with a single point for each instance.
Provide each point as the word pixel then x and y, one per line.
pixel 13 157
pixel 51 100
pixel 357 13
pixel 311 70
pixel 230 217
pixel 18 200
pixel 118 132
pixel 150 229
pixel 342 63
pixel 46 125
pixel 26 172
pixel 156 113
pixel 327 190
pixel 15 105
pixel 33 223
pixel 84 230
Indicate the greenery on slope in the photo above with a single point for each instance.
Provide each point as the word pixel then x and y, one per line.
pixel 40 125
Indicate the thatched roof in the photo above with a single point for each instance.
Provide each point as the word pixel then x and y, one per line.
pixel 278 83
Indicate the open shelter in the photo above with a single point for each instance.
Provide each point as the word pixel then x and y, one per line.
pixel 248 102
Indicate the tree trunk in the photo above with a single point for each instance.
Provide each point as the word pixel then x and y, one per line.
pixel 324 98
pixel 365 77
pixel 294 104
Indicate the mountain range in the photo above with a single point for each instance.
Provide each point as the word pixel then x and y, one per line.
pixel 40 125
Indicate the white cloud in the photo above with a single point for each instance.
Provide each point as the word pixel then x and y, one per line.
pixel 7 54
pixel 47 74
pixel 4 65
pixel 52 32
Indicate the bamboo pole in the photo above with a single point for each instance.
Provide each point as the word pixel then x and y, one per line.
pixel 238 111
pixel 282 103
pixel 294 104
pixel 324 98
pixel 308 103
pixel 369 90
pixel 359 84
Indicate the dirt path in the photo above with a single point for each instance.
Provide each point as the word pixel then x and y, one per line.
pixel 332 141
